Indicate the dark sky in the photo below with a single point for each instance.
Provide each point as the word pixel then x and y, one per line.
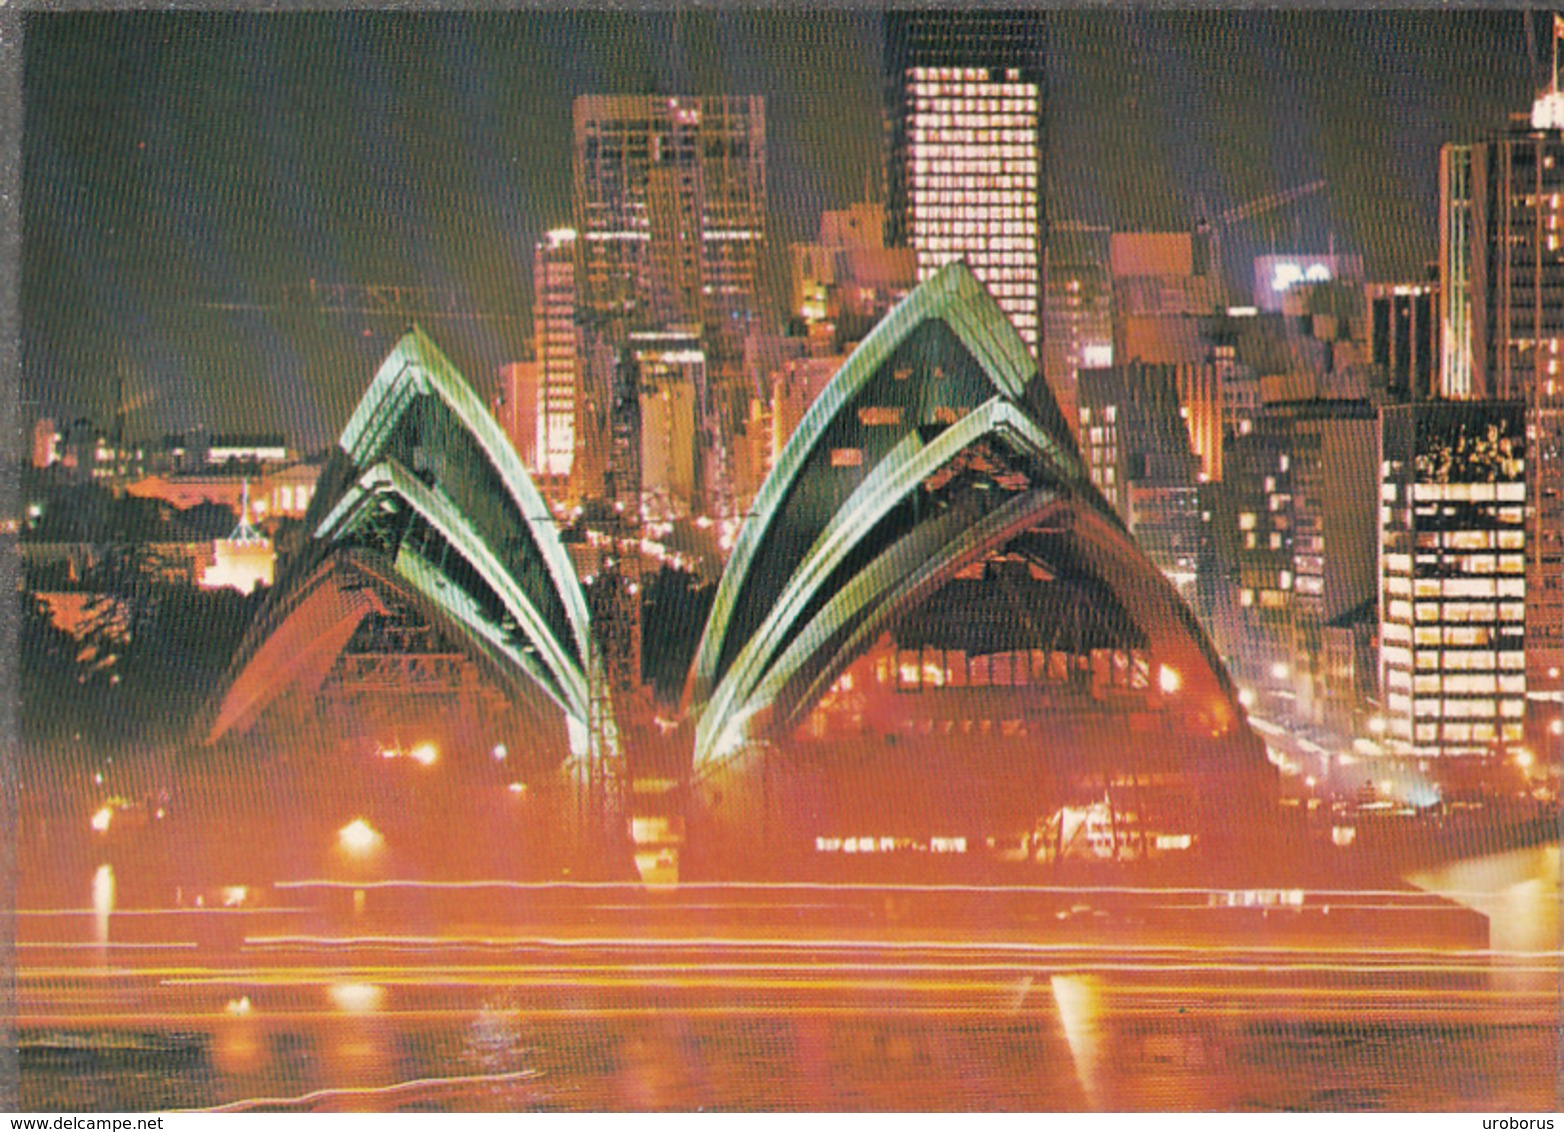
pixel 173 163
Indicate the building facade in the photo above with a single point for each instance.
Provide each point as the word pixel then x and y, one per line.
pixel 848 280
pixel 1162 296
pixel 964 103
pixel 671 209
pixel 1452 608
pixel 1135 441
pixel 1403 333
pixel 1077 309
pixel 675 442
pixel 1501 277
pixel 516 409
pixel 1299 496
pixel 555 300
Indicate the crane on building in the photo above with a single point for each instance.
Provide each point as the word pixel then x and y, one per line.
pixel 1243 212
pixel 395 301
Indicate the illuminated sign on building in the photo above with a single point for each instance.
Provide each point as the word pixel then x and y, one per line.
pixel 1275 275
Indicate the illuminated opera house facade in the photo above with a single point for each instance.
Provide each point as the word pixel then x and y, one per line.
pixel 433 608
pixel 934 643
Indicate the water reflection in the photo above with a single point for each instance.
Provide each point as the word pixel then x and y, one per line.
pixel 102 908
pixel 238 1046
pixel 1078 999
pixel 1109 1059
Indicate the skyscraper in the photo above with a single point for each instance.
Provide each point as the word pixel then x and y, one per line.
pixel 671 379
pixel 1501 277
pixel 1404 337
pixel 1452 577
pixel 671 206
pixel 516 409
pixel 555 297
pixel 964 176
pixel 1135 440
pixel 1300 523
pixel 1077 309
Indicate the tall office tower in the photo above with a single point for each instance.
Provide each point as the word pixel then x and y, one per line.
pixel 964 176
pixel 1452 577
pixel 1077 309
pixel 1501 261
pixel 671 377
pixel 1200 392
pixel 516 408
pixel 671 206
pixel 613 586
pixel 1403 330
pixel 1298 527
pixel 555 298
pixel 1135 440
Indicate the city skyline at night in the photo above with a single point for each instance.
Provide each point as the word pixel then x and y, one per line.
pixel 736 559
pixel 245 173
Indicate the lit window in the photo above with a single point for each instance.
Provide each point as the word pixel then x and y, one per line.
pixel 878 415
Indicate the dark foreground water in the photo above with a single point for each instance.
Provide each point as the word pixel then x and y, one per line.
pixel 501 1059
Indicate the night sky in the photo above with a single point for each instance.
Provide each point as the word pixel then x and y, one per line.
pixel 178 165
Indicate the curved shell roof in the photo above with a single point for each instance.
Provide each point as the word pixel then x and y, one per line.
pixel 427 494
pixel 935 446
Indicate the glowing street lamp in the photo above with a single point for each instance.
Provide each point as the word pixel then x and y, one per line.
pixel 359 837
pixel 101 819
pixel 425 754
pixel 1280 670
pixel 1524 758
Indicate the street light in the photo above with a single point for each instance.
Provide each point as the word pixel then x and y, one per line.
pixel 359 837
pixel 425 754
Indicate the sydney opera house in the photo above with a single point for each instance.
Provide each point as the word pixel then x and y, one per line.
pixel 935 647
